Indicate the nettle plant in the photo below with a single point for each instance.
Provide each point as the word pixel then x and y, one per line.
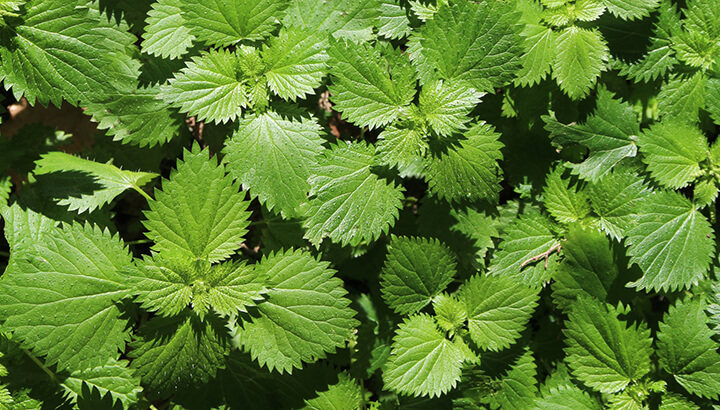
pixel 367 204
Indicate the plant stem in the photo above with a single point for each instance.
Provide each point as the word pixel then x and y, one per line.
pixel 138 242
pixel 5 254
pixel 41 365
pixel 143 193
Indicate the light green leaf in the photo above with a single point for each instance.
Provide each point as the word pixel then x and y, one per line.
pixel 59 299
pixel 450 313
pixel 475 42
pixel 567 397
pixel 392 22
pixel 466 169
pixel 167 284
pixel 616 199
pixel 113 378
pixel 682 97
pixel 199 213
pixel 272 157
pixel 445 106
pixel 540 51
pixel 712 99
pixel 352 20
pixel 498 308
pixel 165 34
pixel 137 117
pixel 517 388
pixel 674 401
pixel 588 269
pixel 631 9
pixel 98 183
pixel 63 52
pixel 713 308
pixel 581 57
pixel 687 351
pixel 673 150
pixel 212 87
pixel 566 205
pixel 346 394
pixel 601 350
pixel 416 270
pixel 609 134
pixel 372 86
pixel 400 147
pixel 295 62
pixel 528 240
pixel 306 314
pixel 224 22
pixel 423 361
pixel 179 352
pixel 348 203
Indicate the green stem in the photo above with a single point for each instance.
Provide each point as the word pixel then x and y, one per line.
pixel 5 254
pixel 143 193
pixel 138 242
pixel 41 365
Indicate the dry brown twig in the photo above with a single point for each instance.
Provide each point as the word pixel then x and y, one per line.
pixel 546 255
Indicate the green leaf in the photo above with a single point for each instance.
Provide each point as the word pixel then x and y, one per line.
pixel 566 205
pixel 616 199
pixel 445 106
pixel 59 299
pixel 346 394
pixel 525 239
pixel 137 117
pixel 175 353
pixel 305 316
pixel 352 21
pixel 272 157
pixel 466 169
pixel 540 51
pixel 392 22
pixel 401 147
pixel 581 57
pixel 450 313
pixel 168 284
pixel 713 308
pixel 671 243
pixel 682 97
pixel 224 22
pixel 588 269
pixel 165 34
pixel 712 99
pixel 423 361
pixel 674 401
pixel 212 86
pixel 686 349
pixel 416 270
pixel 631 9
pixel 348 203
pixel 474 42
pixel 106 180
pixel 601 350
pixel 63 52
pixel 517 388
pixel 199 213
pixel 609 134
pixel 372 86
pixel 113 378
pixel 568 397
pixel 498 308
pixel 295 62
pixel 673 150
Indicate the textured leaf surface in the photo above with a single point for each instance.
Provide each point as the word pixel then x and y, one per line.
pixel 348 203
pixel 445 106
pixel 682 97
pixel 113 378
pixel 137 117
pixel 602 351
pixel 566 204
pixel 176 353
pixel 199 213
pixel 272 157
pixel 423 361
pixel 516 389
pixel 475 42
pixel 568 397
pixel 616 199
pixel 587 270
pixel 671 243
pixel 608 134
pixel 631 9
pixel 343 395
pixel 498 309
pixel 209 87
pixel 687 351
pixel 60 301
pixel 165 34
pixel 401 146
pixel 467 169
pixel 370 88
pixel 526 238
pixel 64 52
pixel 305 316
pixel 107 180
pixel 673 151
pixel 580 59
pixel 226 22
pixel 540 51
pixel 416 270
